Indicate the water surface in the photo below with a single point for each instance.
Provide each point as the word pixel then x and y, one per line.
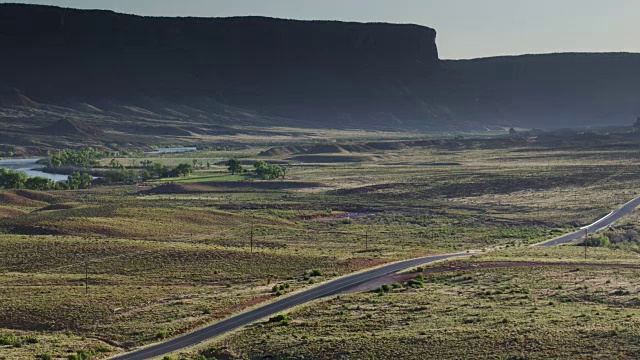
pixel 31 168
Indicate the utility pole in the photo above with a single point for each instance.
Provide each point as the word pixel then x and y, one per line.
pixel 251 236
pixel 86 277
pixel 586 233
pixel 366 240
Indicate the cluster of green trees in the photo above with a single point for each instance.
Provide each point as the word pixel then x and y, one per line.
pixel 118 173
pixel 267 171
pixel 81 158
pixel 79 181
pixel 261 169
pixel 235 166
pixel 10 179
pixel 84 158
pixel 159 170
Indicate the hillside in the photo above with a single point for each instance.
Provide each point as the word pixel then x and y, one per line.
pixel 135 77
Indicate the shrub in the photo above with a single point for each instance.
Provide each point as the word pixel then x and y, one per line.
pixel 279 318
pixel 161 334
pixel 315 272
pixel 82 355
pixel 102 349
pixel 418 282
pixel 600 241
pixel 31 340
pixel 8 340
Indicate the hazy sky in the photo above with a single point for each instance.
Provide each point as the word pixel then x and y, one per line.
pixel 466 28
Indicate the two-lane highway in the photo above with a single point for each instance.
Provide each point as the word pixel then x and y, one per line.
pixel 326 289
pixel 336 286
pixel 602 223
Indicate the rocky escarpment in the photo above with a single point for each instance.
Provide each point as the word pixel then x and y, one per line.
pixel 126 74
pixel 317 72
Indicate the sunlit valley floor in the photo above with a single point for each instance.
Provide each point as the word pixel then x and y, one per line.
pixel 97 271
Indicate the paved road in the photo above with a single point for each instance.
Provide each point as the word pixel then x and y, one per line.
pixel 335 287
pixel 602 223
pixel 326 289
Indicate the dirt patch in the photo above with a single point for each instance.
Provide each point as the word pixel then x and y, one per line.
pixel 36 195
pixel 13 199
pixel 330 159
pixel 166 130
pixel 30 230
pixel 324 217
pixel 9 212
pixel 165 189
pixel 228 186
pixel 244 306
pixel 57 207
pixel 321 216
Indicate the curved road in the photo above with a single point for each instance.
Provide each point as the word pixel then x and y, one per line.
pixel 602 223
pixel 336 286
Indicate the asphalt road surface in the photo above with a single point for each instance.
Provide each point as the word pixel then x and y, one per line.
pixel 335 287
pixel 602 223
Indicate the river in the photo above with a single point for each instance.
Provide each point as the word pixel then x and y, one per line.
pixel 31 168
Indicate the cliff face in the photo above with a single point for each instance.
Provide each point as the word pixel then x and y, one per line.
pixel 110 69
pixel 313 69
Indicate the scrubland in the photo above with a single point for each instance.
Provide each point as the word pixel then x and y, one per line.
pixel 106 269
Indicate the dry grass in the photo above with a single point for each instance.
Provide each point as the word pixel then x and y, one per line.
pixel 519 313
pixel 169 261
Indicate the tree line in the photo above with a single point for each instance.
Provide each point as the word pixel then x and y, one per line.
pixel 118 173
pixel 261 169
pixel 10 179
pixel 83 158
